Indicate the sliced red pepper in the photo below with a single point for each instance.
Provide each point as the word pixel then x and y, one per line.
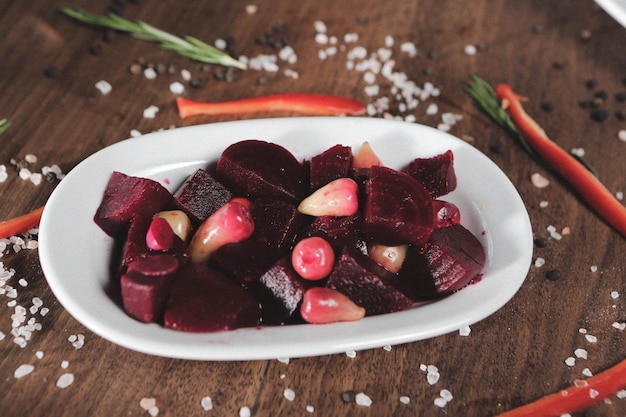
pixel 581 395
pixel 587 185
pixel 20 224
pixel 303 103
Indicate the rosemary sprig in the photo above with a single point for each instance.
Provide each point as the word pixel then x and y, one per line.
pixel 486 98
pixel 187 46
pixel 4 125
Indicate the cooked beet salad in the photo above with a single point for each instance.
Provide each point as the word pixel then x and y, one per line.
pixel 266 239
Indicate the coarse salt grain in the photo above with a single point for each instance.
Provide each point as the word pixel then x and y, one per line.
pixel 177 88
pixel 580 152
pixel 251 8
pixel 465 331
pixel 593 393
pixel 65 364
pixel 320 26
pixel 591 339
pixel 387 348
pixel 30 158
pixel 587 372
pixel 289 394
pixel 619 326
pixel 220 44
pixel 39 354
pixel 283 360
pixel 363 400
pixel 351 354
pixel 470 50
pixel 206 403
pixel 310 408
pixel 614 295
pixel 150 112
pixel 23 370
pixel 539 262
pixel 3 173
pixel 619 195
pixel 440 402
pixel 405 400
pixel 622 135
pixel 593 268
pixel 539 180
pixel 543 204
pixel 147 403
pixel 134 133
pixel 621 394
pixel 104 87
pixel 65 380
pixel 580 353
pixel 570 361
pixel 150 73
pixel 245 412
pixel 446 395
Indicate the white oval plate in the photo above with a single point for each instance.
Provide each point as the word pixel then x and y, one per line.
pixel 75 254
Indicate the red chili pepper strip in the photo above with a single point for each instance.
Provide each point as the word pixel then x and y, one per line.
pixel 588 186
pixel 304 103
pixel 20 224
pixel 581 395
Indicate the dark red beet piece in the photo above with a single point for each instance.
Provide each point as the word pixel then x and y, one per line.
pixel 144 296
pixel 451 258
pixel 435 173
pixel 200 196
pixel 247 260
pixel 135 246
pixel 367 289
pixel 254 169
pixel 126 197
pixel 277 222
pixel 330 165
pixel 157 264
pixel 340 232
pixel 281 290
pixel 398 209
pixel 203 299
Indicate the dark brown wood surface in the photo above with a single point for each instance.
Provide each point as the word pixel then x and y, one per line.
pixel 547 50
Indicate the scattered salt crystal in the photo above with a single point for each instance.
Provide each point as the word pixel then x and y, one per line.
pixel 150 112
pixel 3 173
pixel 206 403
pixel 220 44
pixel 39 354
pixel 580 353
pixel 24 173
pixel 409 48
pixel 465 331
pixel 446 395
pixel 351 354
pixel 65 364
pixel 591 339
pixel 440 402
pixel 622 135
pixel 289 394
pixel 147 403
pixel 244 412
pixel 432 375
pixel 251 8
pixel 150 73
pixel 593 393
pixel 432 109
pixel 23 282
pixel 539 262
pixel 405 400
pixel 593 268
pixel 65 380
pixel 30 158
pixel 580 152
pixel 320 26
pixel 587 372
pixel 2 335
pixel 387 348
pixel 621 394
pixel 543 204
pixel 44 311
pixel 177 88
pixel 619 195
pixel 154 411
pixel 570 361
pixel 310 408
pixel 362 399
pixel 539 180
pixel 389 41
pixel 566 231
pixel 619 326
pixel 104 87
pixel 23 370
pixel 470 49
pixel 614 295
pixel 135 133
pixel 185 74
pixel 582 330
pixel 283 360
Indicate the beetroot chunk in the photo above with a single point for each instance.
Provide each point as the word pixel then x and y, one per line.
pixel 203 299
pixel 146 286
pixel 452 257
pixel 277 222
pixel 247 260
pixel 435 173
pixel 398 209
pixel 352 277
pixel 126 197
pixel 330 165
pixel 254 169
pixel 200 196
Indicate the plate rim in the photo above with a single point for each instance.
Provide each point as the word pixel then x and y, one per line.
pixel 350 331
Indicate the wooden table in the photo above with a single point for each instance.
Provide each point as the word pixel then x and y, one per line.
pixel 549 51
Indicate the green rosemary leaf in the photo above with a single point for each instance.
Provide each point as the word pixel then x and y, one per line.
pixel 187 46
pixel 4 125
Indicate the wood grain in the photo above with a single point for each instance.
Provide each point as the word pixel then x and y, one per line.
pixel 514 356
